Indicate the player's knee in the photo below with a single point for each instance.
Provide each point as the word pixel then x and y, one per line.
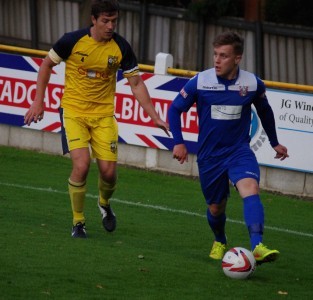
pixel 216 209
pixel 108 176
pixel 80 169
pixel 248 189
pixel 255 189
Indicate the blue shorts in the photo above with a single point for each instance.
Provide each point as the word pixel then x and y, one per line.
pixel 216 173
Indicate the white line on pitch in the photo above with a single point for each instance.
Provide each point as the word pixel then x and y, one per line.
pixel 156 207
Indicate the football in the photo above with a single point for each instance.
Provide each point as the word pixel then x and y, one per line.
pixel 238 263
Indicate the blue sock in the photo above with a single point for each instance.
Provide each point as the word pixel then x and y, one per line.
pixel 217 225
pixel 254 218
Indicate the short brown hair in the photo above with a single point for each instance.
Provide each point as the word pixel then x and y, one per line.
pixel 107 6
pixel 230 38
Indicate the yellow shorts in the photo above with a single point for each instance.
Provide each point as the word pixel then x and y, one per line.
pixel 100 134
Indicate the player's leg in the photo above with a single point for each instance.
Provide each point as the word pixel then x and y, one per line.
pixel 75 139
pixel 107 186
pixel 215 188
pixel 253 210
pixel 244 173
pixel 216 217
pixel 106 181
pixel 104 149
pixel 254 219
pixel 77 189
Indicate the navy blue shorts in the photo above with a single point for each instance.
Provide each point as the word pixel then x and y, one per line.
pixel 216 173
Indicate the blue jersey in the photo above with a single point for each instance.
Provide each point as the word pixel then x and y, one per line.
pixel 224 112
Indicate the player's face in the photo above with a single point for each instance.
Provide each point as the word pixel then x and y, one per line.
pixel 104 26
pixel 226 61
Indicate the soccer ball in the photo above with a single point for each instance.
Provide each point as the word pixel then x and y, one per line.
pixel 238 263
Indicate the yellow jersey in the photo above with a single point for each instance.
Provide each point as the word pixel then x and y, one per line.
pixel 90 72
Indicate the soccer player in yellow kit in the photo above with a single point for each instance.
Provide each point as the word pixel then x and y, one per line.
pixel 92 56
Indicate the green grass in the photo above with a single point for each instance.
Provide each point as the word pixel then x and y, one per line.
pixel 159 250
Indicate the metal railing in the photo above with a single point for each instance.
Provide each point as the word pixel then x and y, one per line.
pixel 171 71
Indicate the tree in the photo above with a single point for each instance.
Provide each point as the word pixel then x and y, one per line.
pixel 295 12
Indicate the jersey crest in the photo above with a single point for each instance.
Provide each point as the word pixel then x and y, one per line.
pixel 243 91
pixel 113 62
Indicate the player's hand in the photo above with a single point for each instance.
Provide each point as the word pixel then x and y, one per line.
pixel 35 113
pixel 281 152
pixel 163 125
pixel 180 153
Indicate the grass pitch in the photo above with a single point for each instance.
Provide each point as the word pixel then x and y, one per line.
pixel 159 250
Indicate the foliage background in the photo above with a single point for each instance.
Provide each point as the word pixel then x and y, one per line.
pixel 289 12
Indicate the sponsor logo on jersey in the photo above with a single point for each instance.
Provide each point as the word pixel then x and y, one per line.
pixel 83 56
pixel 226 112
pixel 213 87
pixel 252 173
pixel 74 140
pixel 183 93
pixel 93 74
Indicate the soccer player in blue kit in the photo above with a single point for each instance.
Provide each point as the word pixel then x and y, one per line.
pixel 223 96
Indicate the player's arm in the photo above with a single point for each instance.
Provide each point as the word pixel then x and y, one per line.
pixel 179 150
pixel 60 51
pixel 266 116
pixel 183 101
pixel 141 93
pixel 36 110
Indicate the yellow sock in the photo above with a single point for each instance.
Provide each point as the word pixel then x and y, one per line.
pixel 106 191
pixel 77 191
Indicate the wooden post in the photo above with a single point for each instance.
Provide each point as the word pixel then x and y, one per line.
pixel 254 10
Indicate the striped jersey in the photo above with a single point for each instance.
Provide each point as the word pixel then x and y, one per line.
pixel 224 111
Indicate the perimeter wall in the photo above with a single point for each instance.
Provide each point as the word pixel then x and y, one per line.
pixel 272 179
